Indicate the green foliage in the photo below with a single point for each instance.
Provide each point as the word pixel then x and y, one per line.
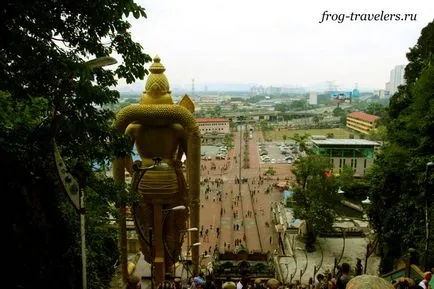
pixel 44 70
pixel 376 109
pixel 314 199
pixel 265 126
pixel 302 141
pixel 256 98
pixel 325 99
pixel 270 171
pixel 316 119
pixel 216 111
pixel 378 134
pixel 228 141
pixel 339 111
pixel 282 107
pixel 298 105
pixel 398 176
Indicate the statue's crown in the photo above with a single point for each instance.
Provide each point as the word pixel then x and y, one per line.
pixel 157 86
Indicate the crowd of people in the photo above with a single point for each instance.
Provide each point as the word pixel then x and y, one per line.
pixel 342 280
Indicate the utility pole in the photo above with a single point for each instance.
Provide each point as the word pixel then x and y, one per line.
pixel 83 239
pixel 239 175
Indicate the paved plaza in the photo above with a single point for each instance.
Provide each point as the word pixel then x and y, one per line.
pixel 238 215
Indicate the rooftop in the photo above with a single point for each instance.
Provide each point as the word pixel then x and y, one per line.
pixel 208 119
pixel 347 142
pixel 363 116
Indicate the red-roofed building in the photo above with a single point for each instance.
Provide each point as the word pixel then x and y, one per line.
pixel 213 130
pixel 361 122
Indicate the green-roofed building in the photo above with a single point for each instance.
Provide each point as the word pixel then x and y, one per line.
pixel 357 154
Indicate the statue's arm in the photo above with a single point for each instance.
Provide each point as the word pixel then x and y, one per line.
pixel 182 141
pixel 131 132
pixel 129 164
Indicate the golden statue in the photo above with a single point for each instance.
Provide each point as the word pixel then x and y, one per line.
pixel 162 133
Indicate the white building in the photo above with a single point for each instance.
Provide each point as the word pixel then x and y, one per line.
pixel 396 79
pixel 313 98
pixel 213 125
pixel 213 130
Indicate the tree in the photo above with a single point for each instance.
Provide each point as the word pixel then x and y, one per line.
pixel 299 104
pixel 284 137
pixel 398 180
pixel 376 109
pixel 338 112
pixel 282 107
pixel 44 69
pixel 228 141
pixel 270 171
pixel 302 141
pixel 316 119
pixel 314 198
pixel 216 111
pixel 379 133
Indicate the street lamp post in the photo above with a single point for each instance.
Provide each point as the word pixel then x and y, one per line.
pixel 174 258
pixel 94 63
pixel 185 262
pixel 158 249
pixel 428 167
pixel 202 257
pixel 370 247
pixel 317 268
pixel 302 271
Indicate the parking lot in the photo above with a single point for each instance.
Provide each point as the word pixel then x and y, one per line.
pixel 274 152
pixel 210 152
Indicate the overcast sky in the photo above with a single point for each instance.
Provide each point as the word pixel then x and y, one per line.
pixel 278 42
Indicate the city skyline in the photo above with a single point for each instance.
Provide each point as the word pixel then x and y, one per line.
pixel 277 43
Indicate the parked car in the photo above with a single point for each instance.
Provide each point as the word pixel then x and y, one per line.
pixel 220 157
pixel 265 157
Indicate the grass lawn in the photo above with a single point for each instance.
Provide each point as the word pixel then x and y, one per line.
pixel 338 133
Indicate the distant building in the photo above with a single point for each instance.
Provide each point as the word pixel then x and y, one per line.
pixel 257 90
pixel 357 154
pixel 273 90
pixel 396 79
pixel 213 130
pixel 313 98
pixel 213 125
pixel 266 104
pixel 355 93
pixel 387 86
pixel 382 94
pixel 208 102
pixel 361 122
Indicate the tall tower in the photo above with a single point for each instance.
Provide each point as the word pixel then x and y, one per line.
pixel 192 87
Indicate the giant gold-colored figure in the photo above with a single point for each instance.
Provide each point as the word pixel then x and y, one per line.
pixel 162 133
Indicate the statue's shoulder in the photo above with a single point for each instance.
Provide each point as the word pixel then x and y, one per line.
pixel 178 128
pixel 132 129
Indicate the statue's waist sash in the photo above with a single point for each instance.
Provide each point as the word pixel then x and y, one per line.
pixel 163 182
